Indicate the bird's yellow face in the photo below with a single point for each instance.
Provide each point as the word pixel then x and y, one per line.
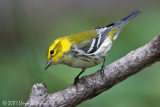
pixel 57 49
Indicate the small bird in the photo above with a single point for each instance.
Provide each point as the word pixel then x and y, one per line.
pixel 86 49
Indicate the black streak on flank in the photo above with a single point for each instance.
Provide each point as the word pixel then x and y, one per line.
pixel 85 60
pixel 84 56
pixel 75 56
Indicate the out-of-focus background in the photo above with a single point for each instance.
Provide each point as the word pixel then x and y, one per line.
pixel 28 27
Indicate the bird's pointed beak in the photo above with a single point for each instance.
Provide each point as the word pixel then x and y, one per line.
pixel 48 64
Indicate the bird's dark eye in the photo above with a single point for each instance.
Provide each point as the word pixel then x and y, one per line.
pixel 51 52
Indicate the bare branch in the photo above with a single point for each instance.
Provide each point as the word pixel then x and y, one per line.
pixel 92 85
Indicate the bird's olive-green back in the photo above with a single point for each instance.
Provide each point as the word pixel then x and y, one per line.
pixel 83 36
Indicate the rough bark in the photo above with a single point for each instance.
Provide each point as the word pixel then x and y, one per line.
pixel 92 85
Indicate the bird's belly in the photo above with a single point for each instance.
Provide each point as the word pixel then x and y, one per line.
pixel 82 62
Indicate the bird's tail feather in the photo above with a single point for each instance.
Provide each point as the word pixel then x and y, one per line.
pixel 130 16
pixel 124 21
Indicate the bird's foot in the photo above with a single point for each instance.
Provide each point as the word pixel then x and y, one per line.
pixel 76 81
pixel 102 71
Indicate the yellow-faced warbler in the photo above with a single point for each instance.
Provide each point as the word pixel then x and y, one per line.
pixel 86 49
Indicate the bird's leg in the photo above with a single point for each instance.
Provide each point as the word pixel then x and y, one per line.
pixel 102 68
pixel 77 77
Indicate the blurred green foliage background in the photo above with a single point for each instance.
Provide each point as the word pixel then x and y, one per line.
pixel 28 27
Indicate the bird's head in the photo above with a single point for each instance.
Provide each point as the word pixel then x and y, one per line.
pixel 57 49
